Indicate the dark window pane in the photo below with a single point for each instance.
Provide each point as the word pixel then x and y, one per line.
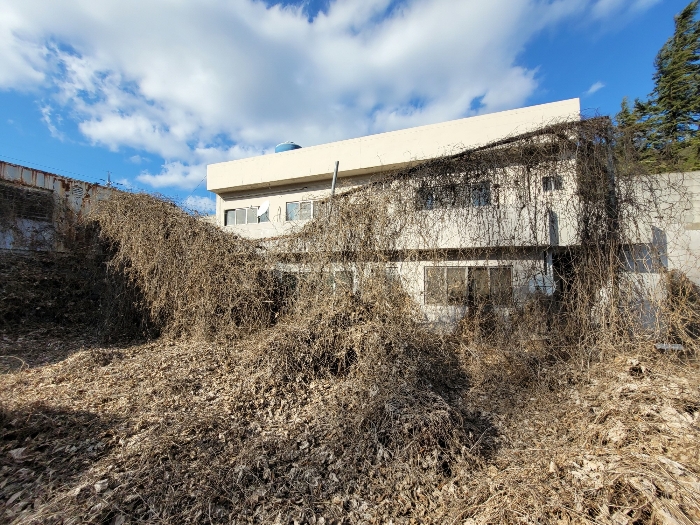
pixel 292 211
pixel 551 183
pixel 429 201
pixel 229 217
pixel 435 286
pixel 481 194
pixel 478 285
pixel 501 285
pixel 305 210
pixel 240 216
pixel 643 258
pixel 265 217
pixel 456 285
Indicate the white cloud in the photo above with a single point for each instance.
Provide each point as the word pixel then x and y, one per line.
pixel 201 82
pixel 607 8
pixel 200 204
pixel 597 86
pixel 176 174
pixel 47 119
pixel 136 159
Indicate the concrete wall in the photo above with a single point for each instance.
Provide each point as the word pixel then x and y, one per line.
pixel 384 151
pixel 39 210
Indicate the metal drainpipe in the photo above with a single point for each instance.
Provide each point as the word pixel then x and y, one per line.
pixel 335 178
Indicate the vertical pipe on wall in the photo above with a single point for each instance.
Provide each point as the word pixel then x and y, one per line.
pixel 335 178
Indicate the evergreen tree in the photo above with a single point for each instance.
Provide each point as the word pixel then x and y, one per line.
pixel 675 100
pixel 664 128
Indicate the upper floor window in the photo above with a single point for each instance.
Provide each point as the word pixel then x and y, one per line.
pixel 455 195
pixel 551 183
pixel 481 193
pixel 245 216
pixel 300 210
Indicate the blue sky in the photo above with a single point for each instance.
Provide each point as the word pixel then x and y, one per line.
pixel 153 91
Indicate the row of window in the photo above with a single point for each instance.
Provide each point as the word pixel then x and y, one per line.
pixel 245 216
pixel 476 194
pixel 295 211
pixel 456 285
pixel 443 285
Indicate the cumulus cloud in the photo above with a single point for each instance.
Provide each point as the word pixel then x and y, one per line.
pixel 207 81
pixel 200 204
pixel 177 174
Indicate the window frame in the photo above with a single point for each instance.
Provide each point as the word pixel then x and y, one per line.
pixel 468 296
pixel 265 217
pixel 456 195
pixel 299 203
pixel 552 183
pixel 474 187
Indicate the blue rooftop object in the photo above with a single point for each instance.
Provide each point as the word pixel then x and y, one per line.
pixel 286 146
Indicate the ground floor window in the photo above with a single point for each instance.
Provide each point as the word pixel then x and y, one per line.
pixel 341 281
pixel 460 285
pixel 245 216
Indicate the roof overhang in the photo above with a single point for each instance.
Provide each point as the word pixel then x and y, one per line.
pixel 384 151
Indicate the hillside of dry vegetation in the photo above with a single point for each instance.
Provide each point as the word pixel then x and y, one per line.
pixel 178 432
pixel 267 393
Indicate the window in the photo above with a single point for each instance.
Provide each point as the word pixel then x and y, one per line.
pixel 300 210
pixel 481 193
pixel 341 281
pixel 445 285
pixel 245 216
pixel 551 183
pixel 501 285
pixel 454 195
pixel 453 286
pixel 638 258
pixel 445 196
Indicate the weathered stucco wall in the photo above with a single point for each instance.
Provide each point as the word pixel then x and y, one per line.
pixel 40 211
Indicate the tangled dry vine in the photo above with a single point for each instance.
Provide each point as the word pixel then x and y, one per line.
pixel 298 380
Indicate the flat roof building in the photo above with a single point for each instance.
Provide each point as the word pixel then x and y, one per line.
pixel 263 196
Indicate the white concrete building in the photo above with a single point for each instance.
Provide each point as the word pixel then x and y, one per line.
pixel 267 196
pixel 285 185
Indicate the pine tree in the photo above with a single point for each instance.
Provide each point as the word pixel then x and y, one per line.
pixel 675 101
pixel 664 128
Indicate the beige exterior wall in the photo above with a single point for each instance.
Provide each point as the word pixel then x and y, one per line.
pixel 305 174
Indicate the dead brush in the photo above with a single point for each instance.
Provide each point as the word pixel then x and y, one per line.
pixel 298 380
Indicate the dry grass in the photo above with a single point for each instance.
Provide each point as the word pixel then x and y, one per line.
pixel 183 433
pixel 274 396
